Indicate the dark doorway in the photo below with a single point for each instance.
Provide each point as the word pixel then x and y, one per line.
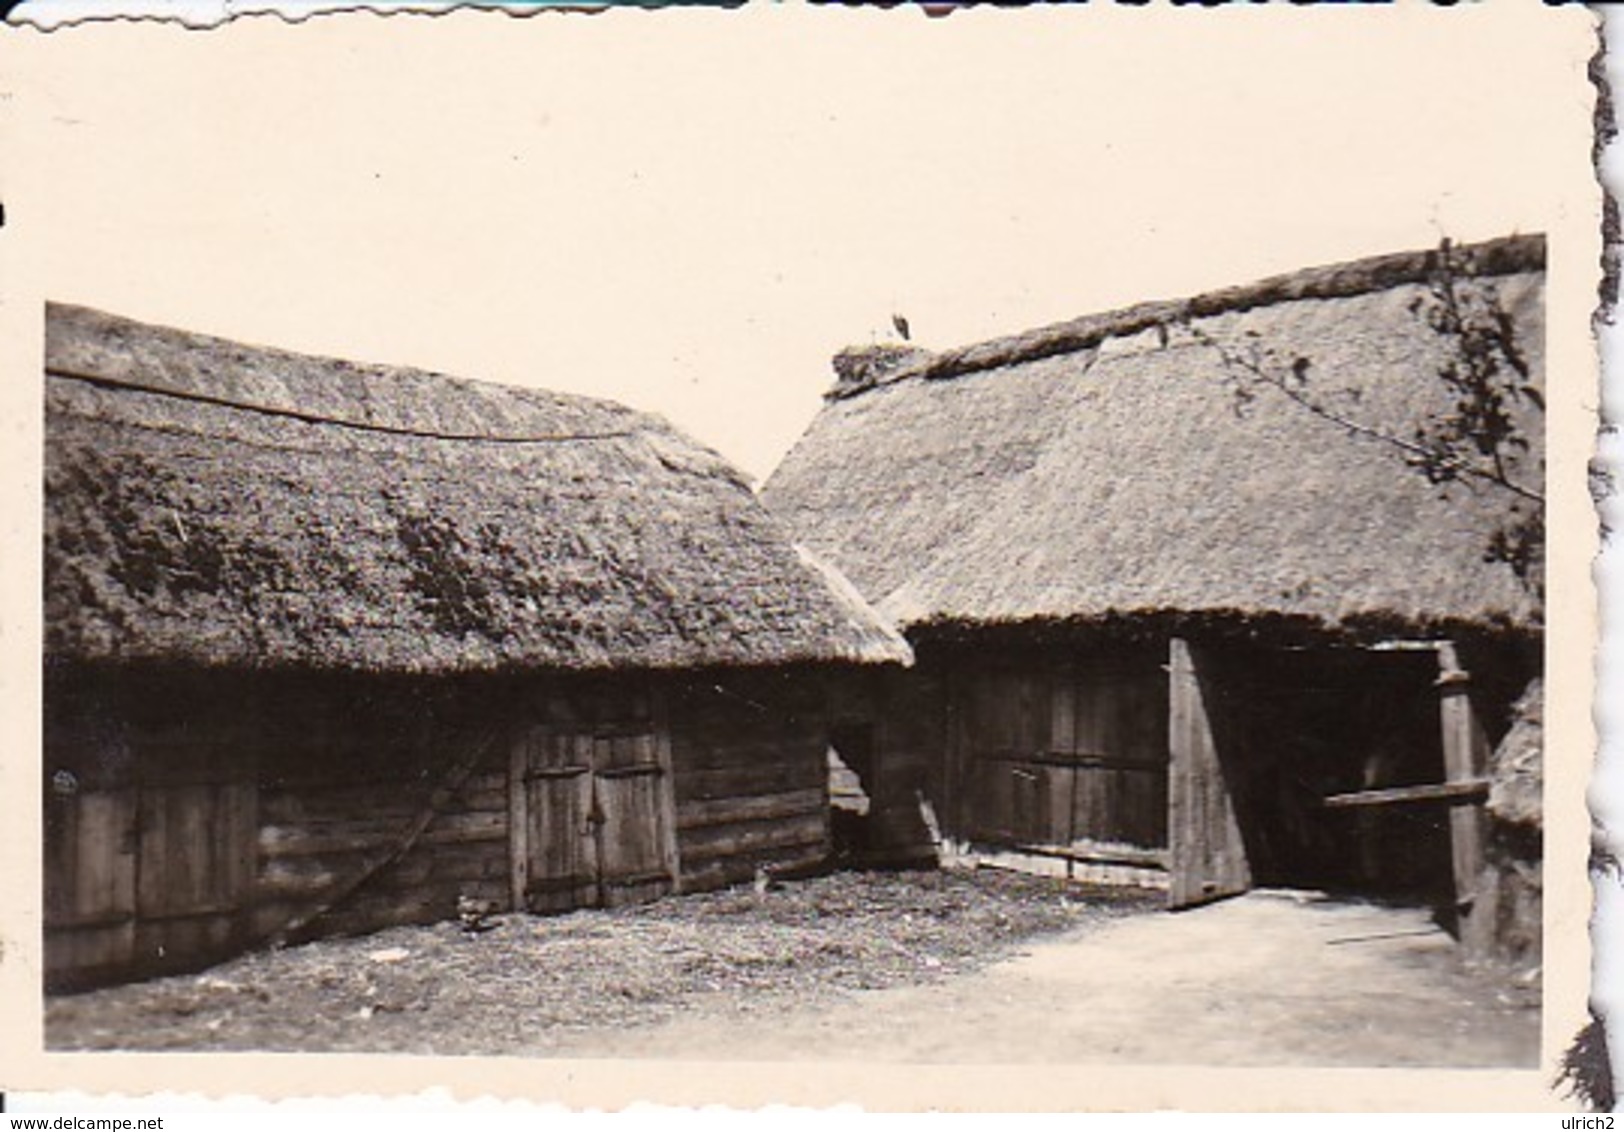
pixel 1295 726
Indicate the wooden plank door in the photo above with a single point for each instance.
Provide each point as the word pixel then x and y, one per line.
pixel 555 860
pixel 91 836
pixel 593 818
pixel 145 876
pixel 1208 855
pixel 194 867
pixel 632 792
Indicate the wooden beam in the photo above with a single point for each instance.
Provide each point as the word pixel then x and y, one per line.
pixel 756 807
pixel 712 842
pixel 1466 790
pixel 741 781
pixel 713 873
pixel 1407 646
pixel 1466 758
pixel 670 844
pixel 1080 760
pixel 955 790
pixel 518 821
pixel 1083 853
pixel 452 829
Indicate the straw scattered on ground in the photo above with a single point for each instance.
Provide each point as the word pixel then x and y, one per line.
pixel 529 983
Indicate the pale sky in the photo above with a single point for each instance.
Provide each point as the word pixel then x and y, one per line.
pixel 690 211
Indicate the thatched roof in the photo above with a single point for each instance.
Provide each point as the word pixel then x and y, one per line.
pixel 213 503
pixel 1105 468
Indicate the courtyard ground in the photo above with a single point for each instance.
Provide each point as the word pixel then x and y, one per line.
pixel 913 967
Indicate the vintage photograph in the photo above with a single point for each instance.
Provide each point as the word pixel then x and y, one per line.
pixel 726 538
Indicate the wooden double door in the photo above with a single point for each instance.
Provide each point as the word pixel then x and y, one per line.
pixel 593 817
pixel 144 875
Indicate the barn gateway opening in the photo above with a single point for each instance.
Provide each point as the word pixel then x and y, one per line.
pixel 1208 766
pixel 1358 771
pixel 1298 729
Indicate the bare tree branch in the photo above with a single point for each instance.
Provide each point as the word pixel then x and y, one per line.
pixel 1481 437
pixel 1266 376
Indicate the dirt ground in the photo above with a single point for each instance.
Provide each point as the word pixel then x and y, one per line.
pixel 1272 978
pixel 531 984
pixel 922 967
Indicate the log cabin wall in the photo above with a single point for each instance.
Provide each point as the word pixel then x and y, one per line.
pixel 380 802
pixel 750 760
pixel 189 815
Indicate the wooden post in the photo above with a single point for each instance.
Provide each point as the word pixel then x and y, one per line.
pixel 1466 757
pixel 878 836
pixel 952 764
pixel 1063 738
pixel 670 851
pixel 519 821
pixel 245 844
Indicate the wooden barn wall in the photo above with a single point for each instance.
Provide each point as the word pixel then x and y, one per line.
pixel 1046 747
pixel 148 836
pixel 349 773
pixel 190 815
pixel 1062 750
pixel 1055 749
pixel 750 755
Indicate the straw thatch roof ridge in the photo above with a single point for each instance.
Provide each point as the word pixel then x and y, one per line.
pixel 109 349
pixel 1128 479
pixel 214 503
pixel 1508 255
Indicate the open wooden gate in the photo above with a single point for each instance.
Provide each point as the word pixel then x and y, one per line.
pixel 1208 857
pixel 593 818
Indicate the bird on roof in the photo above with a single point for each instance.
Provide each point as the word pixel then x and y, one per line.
pixel 901 325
